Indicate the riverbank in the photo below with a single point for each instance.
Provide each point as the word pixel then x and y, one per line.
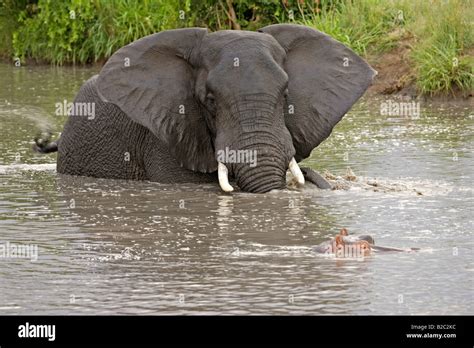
pixel 419 48
pixel 397 77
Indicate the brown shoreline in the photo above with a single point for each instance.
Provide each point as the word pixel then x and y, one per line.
pixel 396 77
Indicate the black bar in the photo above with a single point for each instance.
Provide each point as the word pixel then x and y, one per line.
pixel 332 330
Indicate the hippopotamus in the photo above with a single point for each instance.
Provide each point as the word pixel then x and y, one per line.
pixel 343 245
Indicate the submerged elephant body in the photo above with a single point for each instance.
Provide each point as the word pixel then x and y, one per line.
pixel 168 106
pixel 123 149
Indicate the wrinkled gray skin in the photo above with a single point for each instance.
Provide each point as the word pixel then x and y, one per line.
pixel 165 105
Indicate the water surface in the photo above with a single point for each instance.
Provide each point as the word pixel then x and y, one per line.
pixel 124 247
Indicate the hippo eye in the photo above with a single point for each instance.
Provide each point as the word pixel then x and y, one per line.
pixel 285 93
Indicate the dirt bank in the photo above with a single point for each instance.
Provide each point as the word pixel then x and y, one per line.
pixel 396 76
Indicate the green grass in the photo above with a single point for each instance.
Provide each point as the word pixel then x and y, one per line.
pixel 441 29
pixel 9 10
pixel 362 24
pixel 441 67
pixel 439 32
pixel 441 52
pixel 83 31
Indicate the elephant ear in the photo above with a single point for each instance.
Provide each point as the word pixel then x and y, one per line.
pixel 325 79
pixel 152 81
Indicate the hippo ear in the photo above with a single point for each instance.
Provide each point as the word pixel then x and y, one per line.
pixel 152 81
pixel 339 240
pixel 325 79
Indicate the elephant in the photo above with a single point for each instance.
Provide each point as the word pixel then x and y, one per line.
pixel 171 107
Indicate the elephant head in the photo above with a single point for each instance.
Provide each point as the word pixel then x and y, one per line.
pixel 251 104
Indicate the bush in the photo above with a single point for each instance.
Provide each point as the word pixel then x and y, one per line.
pixel 81 31
pixel 9 13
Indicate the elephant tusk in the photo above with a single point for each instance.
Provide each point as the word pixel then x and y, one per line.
pixel 222 174
pixel 296 171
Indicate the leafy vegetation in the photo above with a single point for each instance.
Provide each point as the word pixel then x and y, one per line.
pixel 359 24
pixel 87 31
pixel 9 12
pixel 82 31
pixel 441 30
pixel 444 44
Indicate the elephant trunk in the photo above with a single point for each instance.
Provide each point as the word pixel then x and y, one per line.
pixel 268 174
pixel 258 149
pixel 265 162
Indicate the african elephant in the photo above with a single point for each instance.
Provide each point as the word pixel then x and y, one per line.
pixel 187 105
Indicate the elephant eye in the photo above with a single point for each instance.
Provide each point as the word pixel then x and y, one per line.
pixel 210 97
pixel 210 103
pixel 285 93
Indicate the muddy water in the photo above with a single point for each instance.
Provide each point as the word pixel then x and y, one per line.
pixel 117 247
